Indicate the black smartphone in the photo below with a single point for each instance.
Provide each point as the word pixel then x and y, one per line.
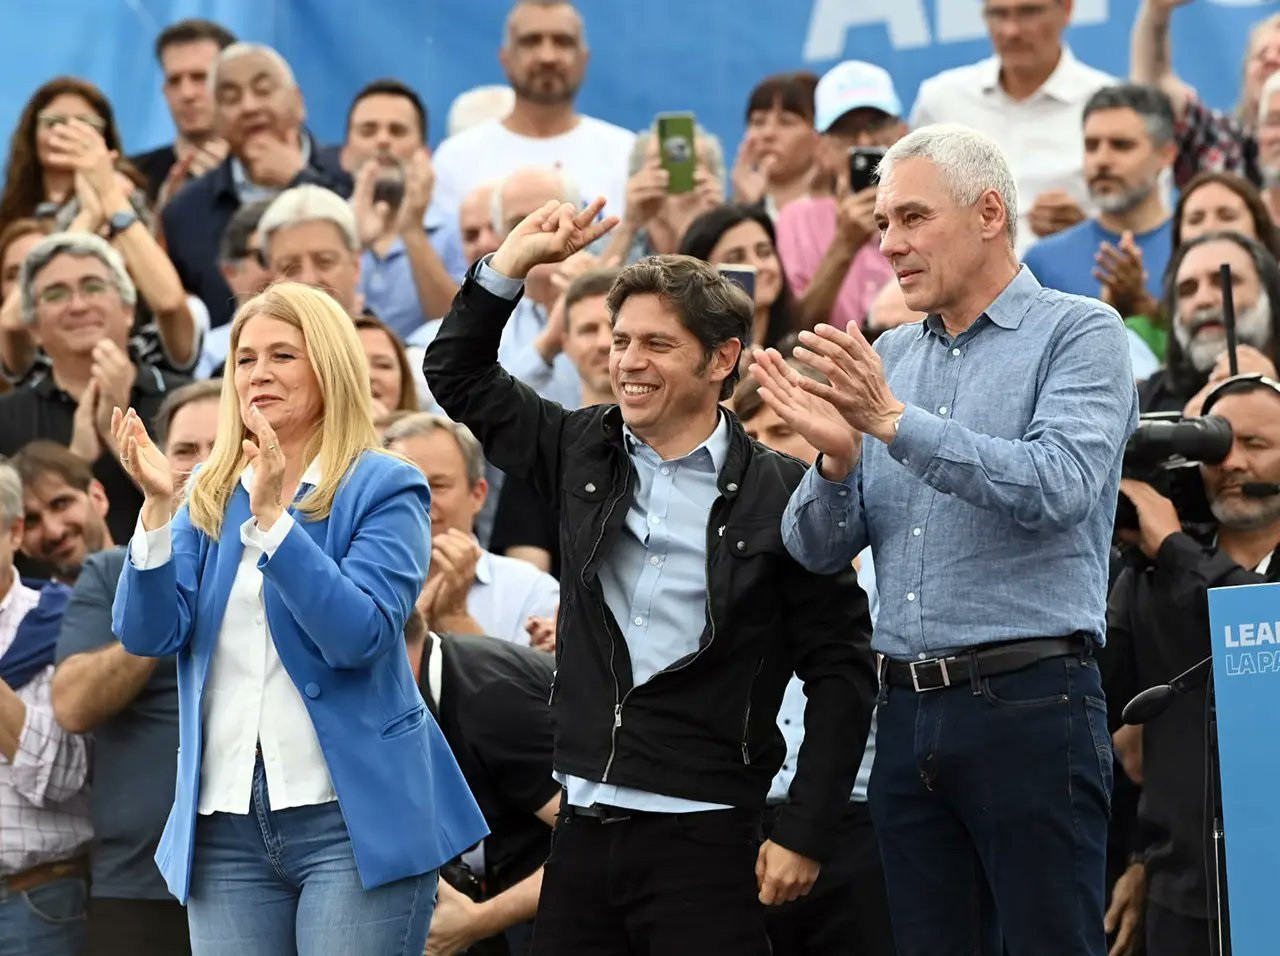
pixel 743 276
pixel 863 163
pixel 389 190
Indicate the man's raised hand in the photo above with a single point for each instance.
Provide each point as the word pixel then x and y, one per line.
pixel 550 234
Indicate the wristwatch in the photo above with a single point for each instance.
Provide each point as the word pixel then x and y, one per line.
pixel 118 222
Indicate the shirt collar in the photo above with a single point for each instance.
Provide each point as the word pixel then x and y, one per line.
pixel 716 446
pixel 1006 311
pixel 312 476
pixel 484 568
pixel 1061 84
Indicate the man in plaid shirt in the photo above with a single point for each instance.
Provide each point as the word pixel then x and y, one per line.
pixel 1208 139
pixel 44 802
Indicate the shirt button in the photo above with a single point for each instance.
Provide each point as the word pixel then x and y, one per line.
pixel 654 519
pixel 921 655
pixel 731 486
pixel 906 460
pixel 666 471
pixel 787 721
pixel 655 561
pixel 589 488
pixel 312 690
pixel 942 409
pixel 911 595
pixel 742 545
pixel 840 524
pixel 843 492
pixel 955 352
pixel 639 620
pixel 915 532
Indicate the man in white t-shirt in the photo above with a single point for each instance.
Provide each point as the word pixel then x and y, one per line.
pixel 544 56
pixel 1029 98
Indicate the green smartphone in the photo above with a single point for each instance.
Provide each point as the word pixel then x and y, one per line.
pixel 675 147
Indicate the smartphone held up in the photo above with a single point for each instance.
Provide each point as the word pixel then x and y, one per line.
pixel 676 150
pixel 864 167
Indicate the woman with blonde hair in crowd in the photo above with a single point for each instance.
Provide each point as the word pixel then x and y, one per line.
pixel 316 797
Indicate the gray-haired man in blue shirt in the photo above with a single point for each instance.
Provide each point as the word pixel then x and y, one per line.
pixel 978 453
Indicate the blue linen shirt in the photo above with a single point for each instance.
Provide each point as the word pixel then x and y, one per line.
pixel 990 513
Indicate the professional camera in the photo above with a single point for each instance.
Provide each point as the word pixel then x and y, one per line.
pixel 1166 452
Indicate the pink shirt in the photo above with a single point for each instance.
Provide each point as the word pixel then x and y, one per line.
pixel 806 227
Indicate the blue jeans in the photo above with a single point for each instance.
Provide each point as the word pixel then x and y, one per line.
pixel 272 882
pixel 991 802
pixel 46 921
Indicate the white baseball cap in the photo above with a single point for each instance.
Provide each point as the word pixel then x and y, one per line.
pixel 853 85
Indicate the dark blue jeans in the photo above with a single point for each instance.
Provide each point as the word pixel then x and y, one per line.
pixel 991 802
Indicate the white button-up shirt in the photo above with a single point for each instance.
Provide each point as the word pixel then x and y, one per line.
pixel 249 699
pixel 1042 136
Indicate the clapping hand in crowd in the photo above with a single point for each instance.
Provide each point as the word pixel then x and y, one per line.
pixel 193 162
pixel 99 186
pixel 143 461
pixel 376 219
pixel 1124 278
pixel 110 384
pixel 443 601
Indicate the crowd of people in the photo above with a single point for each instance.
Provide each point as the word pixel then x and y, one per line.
pixel 467 497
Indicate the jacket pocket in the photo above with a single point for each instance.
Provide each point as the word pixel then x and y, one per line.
pixel 406 723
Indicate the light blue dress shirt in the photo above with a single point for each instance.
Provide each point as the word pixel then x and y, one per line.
pixel 386 282
pixel 791 713
pixel 991 512
pixel 655 583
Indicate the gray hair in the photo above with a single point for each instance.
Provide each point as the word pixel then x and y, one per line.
pixel 10 493
pixel 308 203
pixel 472 107
pixel 237 50
pixel 970 163
pixel 569 192
pixel 80 245
pixel 1269 89
pixel 715 152
pixel 511 15
pixel 1151 105
pixel 419 424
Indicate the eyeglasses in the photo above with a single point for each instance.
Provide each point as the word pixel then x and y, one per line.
pixel 1024 13
pixel 60 293
pixel 50 120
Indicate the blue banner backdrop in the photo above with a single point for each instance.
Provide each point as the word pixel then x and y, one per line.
pixel 1245 626
pixel 646 55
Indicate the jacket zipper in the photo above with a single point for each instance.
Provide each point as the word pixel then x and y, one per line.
pixel 746 720
pixel 618 698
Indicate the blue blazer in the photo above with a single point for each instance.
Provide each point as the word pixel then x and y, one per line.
pixel 337 593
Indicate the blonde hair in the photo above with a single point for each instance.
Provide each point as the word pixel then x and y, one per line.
pixel 345 431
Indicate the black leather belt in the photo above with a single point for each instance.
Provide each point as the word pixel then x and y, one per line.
pixel 602 813
pixel 937 673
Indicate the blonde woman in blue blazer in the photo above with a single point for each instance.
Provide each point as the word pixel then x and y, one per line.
pixel 315 794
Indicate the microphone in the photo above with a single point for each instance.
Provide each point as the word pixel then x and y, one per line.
pixel 1259 489
pixel 1153 701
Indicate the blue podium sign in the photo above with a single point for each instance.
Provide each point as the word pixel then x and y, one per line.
pixel 1245 628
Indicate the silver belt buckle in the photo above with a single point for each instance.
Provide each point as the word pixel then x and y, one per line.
pixel 941 662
